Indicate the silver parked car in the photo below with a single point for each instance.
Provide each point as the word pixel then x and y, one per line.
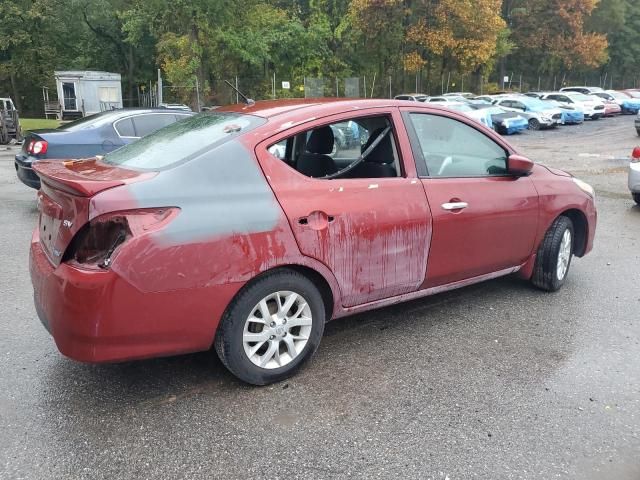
pixel 634 175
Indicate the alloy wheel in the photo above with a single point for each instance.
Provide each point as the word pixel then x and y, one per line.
pixel 277 329
pixel 564 255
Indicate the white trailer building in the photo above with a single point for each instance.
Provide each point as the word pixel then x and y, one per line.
pixel 82 93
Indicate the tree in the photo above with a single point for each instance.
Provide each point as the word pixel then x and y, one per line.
pixel 552 35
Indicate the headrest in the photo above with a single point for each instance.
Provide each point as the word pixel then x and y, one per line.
pixel 321 141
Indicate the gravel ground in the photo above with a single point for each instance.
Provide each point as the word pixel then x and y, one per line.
pixel 494 381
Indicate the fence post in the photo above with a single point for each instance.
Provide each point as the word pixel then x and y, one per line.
pixel 337 91
pixel 365 86
pixel 237 97
pixel 390 96
pixel 159 88
pixel 274 84
pixel 197 94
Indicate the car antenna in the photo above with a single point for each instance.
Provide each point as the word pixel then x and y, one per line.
pixel 247 100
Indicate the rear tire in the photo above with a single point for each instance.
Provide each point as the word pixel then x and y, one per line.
pixel 554 256
pixel 261 348
pixel 636 197
pixel 534 124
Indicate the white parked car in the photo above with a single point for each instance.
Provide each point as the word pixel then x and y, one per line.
pixel 412 97
pixel 585 90
pixel 481 116
pixel 590 105
pixel 459 94
pixel 538 113
pixel 447 99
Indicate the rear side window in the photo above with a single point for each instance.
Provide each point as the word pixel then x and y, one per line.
pixel 182 141
pixel 356 148
pixel 146 124
pixel 124 127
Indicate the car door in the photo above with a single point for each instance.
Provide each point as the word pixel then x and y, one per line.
pixel 484 220
pixel 371 232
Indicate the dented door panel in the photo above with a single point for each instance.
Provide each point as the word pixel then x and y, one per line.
pixel 373 234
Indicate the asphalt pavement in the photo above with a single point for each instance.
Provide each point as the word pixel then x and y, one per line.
pixel 493 381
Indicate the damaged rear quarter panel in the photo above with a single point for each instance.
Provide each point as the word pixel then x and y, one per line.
pixel 229 229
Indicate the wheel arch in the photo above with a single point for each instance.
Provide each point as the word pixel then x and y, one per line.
pixel 580 230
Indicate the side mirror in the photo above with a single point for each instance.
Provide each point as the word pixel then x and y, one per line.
pixel 519 166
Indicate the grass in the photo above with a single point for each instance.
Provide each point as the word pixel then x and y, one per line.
pixel 29 124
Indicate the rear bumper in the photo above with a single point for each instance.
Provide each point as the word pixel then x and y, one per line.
pixel 572 117
pixel 97 316
pixel 634 177
pixel 25 173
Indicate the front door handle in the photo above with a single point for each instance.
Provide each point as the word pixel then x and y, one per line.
pixel 455 205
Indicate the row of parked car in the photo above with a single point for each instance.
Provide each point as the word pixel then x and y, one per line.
pixel 510 113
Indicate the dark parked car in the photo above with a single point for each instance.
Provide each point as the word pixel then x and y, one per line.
pixel 197 235
pixel 97 134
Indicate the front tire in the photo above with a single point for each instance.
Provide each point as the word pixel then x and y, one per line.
pixel 554 256
pixel 636 197
pixel 272 327
pixel 534 124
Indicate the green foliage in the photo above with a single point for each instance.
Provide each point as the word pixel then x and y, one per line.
pixel 213 40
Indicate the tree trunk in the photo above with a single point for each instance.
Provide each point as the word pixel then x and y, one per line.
pixel 130 73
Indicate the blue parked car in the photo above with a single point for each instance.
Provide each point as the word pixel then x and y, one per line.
pixel 627 103
pixel 570 115
pixel 93 135
pixel 504 121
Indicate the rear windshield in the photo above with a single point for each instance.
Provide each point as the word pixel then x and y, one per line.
pixel 182 140
pixel 88 122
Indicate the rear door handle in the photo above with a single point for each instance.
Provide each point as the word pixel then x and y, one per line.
pixel 455 205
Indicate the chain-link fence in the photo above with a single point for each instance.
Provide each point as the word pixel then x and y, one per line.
pixel 229 90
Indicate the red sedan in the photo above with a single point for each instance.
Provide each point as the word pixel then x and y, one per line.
pixel 249 227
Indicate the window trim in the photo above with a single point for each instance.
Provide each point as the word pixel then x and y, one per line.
pixel 333 119
pixel 421 164
pixel 131 117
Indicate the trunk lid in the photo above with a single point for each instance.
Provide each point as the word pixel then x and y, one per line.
pixel 65 195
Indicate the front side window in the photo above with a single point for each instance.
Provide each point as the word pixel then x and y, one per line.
pixel 355 148
pixel 451 148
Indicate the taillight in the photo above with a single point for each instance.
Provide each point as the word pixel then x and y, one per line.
pixel 38 147
pixel 99 240
pixel 635 155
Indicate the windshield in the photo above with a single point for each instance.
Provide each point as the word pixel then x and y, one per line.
pixel 182 140
pixel 533 103
pixel 460 107
pixel 88 122
pixel 619 95
pixel 581 97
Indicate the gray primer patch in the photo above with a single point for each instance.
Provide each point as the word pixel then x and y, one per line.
pixel 221 192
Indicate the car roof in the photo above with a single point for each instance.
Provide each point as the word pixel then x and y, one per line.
pixel 272 108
